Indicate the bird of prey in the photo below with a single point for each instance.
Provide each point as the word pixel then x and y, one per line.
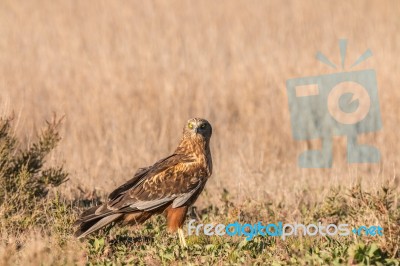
pixel 169 186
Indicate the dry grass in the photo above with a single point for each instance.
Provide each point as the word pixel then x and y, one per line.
pixel 127 75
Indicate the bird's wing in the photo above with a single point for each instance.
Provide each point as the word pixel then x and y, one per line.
pixel 141 174
pixel 174 179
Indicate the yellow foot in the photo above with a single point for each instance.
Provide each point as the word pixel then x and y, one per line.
pixel 182 238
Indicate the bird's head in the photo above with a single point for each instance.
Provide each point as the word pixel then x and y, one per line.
pixel 197 127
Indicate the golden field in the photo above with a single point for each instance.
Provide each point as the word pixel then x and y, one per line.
pixel 128 74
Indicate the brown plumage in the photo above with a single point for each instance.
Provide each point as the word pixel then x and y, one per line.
pixel 169 186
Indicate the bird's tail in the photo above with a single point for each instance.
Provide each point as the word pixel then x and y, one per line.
pixel 93 220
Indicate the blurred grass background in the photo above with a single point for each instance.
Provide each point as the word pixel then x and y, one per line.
pixel 128 74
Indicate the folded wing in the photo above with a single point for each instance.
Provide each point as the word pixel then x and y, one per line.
pixel 172 180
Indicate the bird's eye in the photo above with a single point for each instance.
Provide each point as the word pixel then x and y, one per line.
pixel 203 126
pixel 190 125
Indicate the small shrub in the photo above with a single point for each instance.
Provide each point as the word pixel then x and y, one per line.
pixel 24 179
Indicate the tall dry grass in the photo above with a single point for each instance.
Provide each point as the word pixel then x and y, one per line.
pixel 127 75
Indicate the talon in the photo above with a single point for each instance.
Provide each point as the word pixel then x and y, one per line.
pixel 182 238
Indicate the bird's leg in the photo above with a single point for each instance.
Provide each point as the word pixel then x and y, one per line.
pixel 182 238
pixel 175 220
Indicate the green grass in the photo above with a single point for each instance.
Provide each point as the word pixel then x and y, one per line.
pixel 150 244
